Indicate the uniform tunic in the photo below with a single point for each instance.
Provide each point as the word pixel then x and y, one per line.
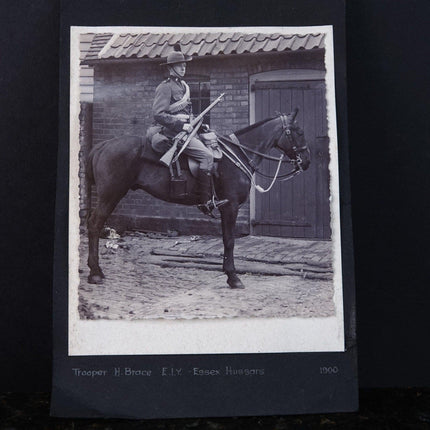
pixel 168 92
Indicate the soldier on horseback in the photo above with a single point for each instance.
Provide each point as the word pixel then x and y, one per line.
pixel 172 114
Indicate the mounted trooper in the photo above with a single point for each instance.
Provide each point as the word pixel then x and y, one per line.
pixel 172 113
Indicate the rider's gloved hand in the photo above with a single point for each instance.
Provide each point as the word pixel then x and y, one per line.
pixel 187 127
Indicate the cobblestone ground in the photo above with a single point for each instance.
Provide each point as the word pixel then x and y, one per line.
pixel 154 276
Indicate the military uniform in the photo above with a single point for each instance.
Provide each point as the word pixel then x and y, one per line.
pixel 172 110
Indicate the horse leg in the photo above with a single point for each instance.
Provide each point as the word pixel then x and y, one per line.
pixel 228 222
pixel 95 224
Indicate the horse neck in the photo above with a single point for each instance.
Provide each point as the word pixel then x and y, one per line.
pixel 260 139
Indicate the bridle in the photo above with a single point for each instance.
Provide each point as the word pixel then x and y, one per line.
pixel 286 130
pixel 296 161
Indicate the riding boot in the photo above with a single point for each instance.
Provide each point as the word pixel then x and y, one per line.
pixel 207 202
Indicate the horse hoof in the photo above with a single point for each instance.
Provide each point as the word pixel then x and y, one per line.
pixel 235 284
pixel 95 279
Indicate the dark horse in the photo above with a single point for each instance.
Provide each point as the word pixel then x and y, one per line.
pixel 120 164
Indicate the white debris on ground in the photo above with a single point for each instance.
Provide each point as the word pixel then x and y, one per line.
pixel 110 233
pixel 110 244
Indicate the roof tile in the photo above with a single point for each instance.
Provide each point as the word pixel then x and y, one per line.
pixel 236 37
pixel 140 39
pixel 261 37
pixel 231 46
pixel 132 51
pixel 129 41
pixel 212 37
pixel 297 43
pixel 156 51
pixel 152 39
pixel 242 47
pixel 271 45
pixel 187 38
pixel 119 40
pixel 206 48
pixel 250 36
pixel 97 45
pixel 156 45
pixel 176 37
pixel 285 43
pixel 224 37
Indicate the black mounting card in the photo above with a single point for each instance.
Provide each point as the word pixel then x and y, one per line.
pixel 152 327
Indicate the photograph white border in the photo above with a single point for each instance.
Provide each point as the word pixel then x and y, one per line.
pixel 200 336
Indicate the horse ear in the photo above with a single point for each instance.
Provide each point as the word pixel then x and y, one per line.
pixel 294 113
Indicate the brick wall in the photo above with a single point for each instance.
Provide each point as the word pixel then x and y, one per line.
pixel 123 96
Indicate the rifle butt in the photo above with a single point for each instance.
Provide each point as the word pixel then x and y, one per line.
pixel 166 159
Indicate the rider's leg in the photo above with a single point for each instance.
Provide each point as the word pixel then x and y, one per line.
pixel 204 182
pixel 199 152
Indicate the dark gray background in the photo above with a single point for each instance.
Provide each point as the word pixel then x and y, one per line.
pixel 388 107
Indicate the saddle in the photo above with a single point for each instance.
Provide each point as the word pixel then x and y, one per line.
pixel 185 162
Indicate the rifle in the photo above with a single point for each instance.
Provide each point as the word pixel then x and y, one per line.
pixel 166 159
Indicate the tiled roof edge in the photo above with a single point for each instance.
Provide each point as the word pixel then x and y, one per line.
pixel 103 48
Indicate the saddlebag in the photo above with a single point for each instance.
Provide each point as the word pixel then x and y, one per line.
pixel 211 141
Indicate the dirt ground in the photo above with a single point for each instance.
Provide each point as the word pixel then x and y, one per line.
pixel 155 276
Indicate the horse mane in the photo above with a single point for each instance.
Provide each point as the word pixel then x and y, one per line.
pixel 252 126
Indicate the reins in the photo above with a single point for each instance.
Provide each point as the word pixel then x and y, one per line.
pixel 234 141
pixel 231 155
pixel 236 160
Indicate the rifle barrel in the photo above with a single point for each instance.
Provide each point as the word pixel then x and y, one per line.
pixel 202 114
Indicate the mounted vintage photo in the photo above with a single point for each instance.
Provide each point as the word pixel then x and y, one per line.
pixel 204 191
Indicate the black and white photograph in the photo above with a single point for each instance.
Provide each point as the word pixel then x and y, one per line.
pixel 190 201
pixel 204 191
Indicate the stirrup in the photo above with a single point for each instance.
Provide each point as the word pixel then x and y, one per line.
pixel 210 205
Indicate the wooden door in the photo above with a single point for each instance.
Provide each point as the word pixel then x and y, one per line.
pixel 299 207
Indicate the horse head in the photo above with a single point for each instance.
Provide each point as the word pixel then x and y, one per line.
pixel 292 141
